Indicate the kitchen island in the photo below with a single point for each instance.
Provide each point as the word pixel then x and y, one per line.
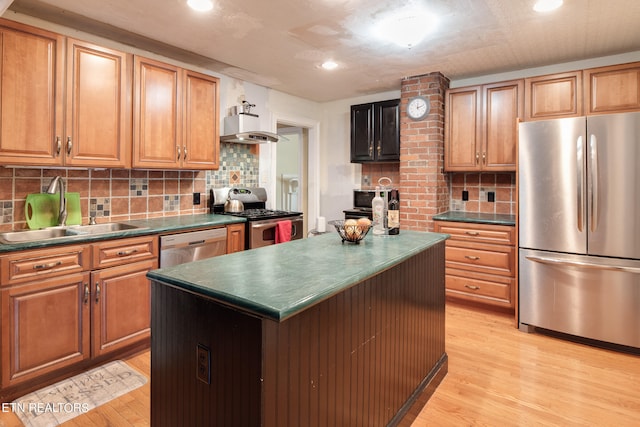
pixel 310 332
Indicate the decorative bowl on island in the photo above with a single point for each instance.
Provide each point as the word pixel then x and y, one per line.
pixel 352 230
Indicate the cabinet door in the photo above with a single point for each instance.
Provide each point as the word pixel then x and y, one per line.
pixel 503 105
pixel 235 238
pixel 463 129
pixel 387 131
pixel 613 89
pixel 201 120
pixel 121 312
pixel 45 326
pixel 362 133
pixel 98 128
pixel 31 95
pixel 553 96
pixel 157 141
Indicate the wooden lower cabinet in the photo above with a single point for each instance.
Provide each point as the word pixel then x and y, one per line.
pixel 45 326
pixel 235 237
pixel 59 317
pixel 121 306
pixel 480 263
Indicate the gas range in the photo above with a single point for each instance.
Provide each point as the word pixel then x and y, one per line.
pixel 261 222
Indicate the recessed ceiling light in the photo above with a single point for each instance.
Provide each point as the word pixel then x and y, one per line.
pixel 547 5
pixel 407 27
pixel 329 65
pixel 200 5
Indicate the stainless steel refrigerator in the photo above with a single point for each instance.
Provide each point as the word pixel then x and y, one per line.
pixel 579 227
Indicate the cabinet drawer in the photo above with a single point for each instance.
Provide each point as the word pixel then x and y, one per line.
pixel 116 252
pixel 481 233
pixel 22 266
pixel 495 261
pixel 470 288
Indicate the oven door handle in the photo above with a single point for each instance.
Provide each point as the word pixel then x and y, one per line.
pixel 294 228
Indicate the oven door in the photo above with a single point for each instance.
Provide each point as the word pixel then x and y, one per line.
pixel 263 233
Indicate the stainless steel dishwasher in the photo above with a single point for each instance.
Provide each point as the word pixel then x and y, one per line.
pixel 191 246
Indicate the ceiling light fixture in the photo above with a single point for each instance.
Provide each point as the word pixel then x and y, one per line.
pixel 547 5
pixel 329 65
pixel 200 5
pixel 407 27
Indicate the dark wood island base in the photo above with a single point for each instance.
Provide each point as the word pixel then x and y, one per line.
pixel 361 357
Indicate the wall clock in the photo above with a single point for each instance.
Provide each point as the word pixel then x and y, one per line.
pixel 418 108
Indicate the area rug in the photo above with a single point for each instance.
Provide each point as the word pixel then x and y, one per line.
pixel 75 396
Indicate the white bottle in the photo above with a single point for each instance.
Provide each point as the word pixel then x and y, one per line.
pixel 377 206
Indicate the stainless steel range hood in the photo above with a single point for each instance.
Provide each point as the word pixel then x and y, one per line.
pixel 244 128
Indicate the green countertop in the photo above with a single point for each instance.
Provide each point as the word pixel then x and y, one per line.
pixel 149 226
pixel 279 281
pixel 476 217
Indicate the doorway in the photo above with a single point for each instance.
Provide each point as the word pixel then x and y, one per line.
pixel 292 152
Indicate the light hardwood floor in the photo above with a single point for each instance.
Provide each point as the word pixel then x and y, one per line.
pixel 497 376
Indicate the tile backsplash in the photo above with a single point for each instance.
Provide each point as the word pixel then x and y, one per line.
pixel 478 187
pixel 119 194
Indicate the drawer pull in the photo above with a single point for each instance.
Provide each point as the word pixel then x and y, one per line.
pixel 86 293
pixel 47 266
pixel 97 292
pixel 471 257
pixel 472 287
pixel 472 233
pixel 125 253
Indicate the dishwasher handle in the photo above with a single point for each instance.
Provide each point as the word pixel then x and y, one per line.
pixel 193 238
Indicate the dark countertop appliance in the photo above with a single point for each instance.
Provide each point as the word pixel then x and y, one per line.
pixel 261 222
pixel 361 204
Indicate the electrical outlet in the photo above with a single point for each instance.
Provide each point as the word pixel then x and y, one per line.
pixel 196 198
pixel 491 196
pixel 484 193
pixel 465 195
pixel 203 364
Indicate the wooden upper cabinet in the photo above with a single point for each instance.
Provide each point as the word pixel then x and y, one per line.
pixel 97 129
pixel 503 104
pixel 157 138
pixel 98 124
pixel 31 95
pixel 481 126
pixel 201 145
pixel 175 118
pixel 375 132
pixel 463 129
pixel 612 89
pixel 553 96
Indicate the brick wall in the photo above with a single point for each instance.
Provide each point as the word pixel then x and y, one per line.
pixel 424 188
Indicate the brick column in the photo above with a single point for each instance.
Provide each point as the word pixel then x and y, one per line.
pixel 423 186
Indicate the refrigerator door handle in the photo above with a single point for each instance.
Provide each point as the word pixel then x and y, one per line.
pixel 593 168
pixel 555 261
pixel 580 182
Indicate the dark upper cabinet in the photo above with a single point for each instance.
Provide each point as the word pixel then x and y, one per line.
pixel 375 132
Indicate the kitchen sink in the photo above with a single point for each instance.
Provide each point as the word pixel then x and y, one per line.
pixel 24 236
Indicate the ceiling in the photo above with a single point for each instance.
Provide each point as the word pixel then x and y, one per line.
pixel 281 43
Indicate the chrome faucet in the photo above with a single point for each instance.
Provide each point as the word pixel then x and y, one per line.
pixel 57 185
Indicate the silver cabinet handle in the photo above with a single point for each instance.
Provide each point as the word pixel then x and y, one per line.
pixel 580 181
pixel 471 257
pixel 477 157
pixel 178 148
pixel 553 261
pixel 97 292
pixel 472 233
pixel 86 293
pixel 184 152
pixel 69 145
pixel 58 146
pixel 472 287
pixel 593 148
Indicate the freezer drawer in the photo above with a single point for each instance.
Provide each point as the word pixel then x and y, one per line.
pixel 590 297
